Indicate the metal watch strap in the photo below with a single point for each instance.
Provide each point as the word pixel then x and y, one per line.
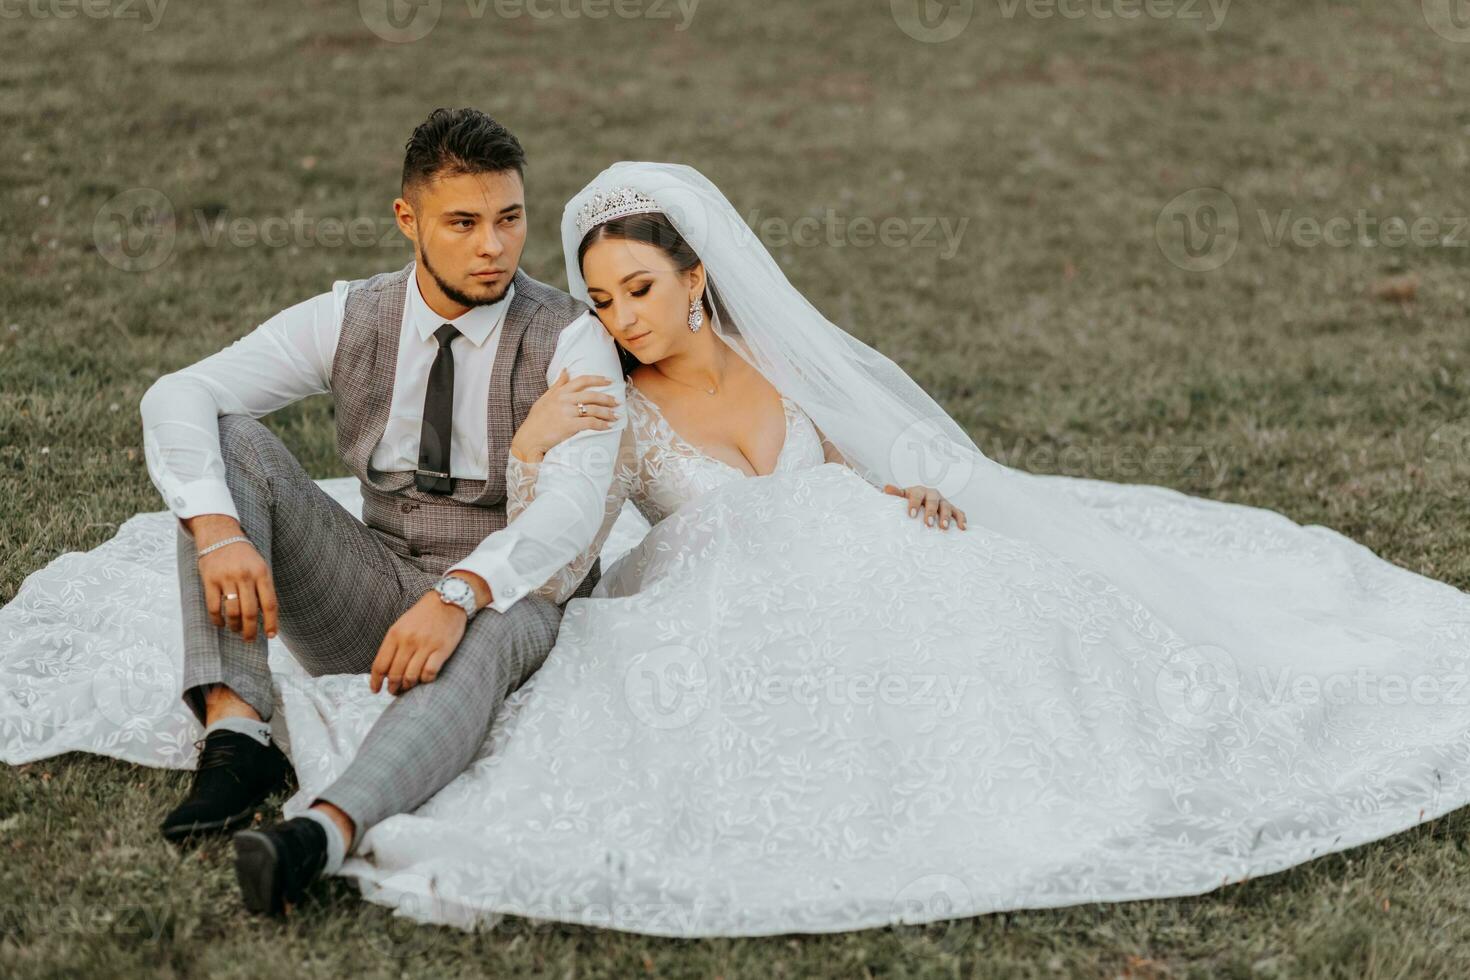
pixel 471 604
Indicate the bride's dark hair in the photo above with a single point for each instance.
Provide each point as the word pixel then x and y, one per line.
pixel 653 229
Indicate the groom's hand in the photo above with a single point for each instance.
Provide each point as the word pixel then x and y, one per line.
pixel 418 645
pixel 235 570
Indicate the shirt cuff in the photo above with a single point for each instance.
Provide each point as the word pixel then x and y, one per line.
pixel 497 573
pixel 201 497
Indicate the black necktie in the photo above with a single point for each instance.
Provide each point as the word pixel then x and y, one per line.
pixel 433 472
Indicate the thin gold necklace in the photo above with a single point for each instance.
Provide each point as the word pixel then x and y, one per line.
pixel 708 391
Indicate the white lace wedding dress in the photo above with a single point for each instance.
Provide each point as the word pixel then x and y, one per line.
pixel 793 708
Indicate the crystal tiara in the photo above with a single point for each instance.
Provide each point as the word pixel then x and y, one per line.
pixel 607 205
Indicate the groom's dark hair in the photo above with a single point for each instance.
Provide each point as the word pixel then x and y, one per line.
pixel 459 141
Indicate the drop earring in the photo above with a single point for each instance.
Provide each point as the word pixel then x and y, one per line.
pixel 696 315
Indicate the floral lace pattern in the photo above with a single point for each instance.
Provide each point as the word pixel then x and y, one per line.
pixel 790 707
pixel 520 490
pixel 667 472
pixel 675 472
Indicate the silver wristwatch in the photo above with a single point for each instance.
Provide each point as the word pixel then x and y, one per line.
pixel 456 591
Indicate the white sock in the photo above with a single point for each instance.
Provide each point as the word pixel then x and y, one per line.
pixel 336 846
pixel 254 727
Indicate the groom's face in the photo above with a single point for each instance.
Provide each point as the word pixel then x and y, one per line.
pixel 468 231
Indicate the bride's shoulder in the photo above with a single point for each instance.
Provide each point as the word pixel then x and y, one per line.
pixel 641 381
pixel 640 377
pixel 637 399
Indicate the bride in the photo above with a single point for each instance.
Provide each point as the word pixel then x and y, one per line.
pixel 802 704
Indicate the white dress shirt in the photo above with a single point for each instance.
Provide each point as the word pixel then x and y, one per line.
pixel 289 357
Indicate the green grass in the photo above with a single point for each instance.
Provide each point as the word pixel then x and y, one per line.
pixel 1057 331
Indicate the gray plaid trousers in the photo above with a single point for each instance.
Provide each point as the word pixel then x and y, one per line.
pixel 340 587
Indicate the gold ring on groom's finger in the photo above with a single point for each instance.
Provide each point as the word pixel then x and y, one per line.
pixel 231 595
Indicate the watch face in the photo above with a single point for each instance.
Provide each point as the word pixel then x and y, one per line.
pixel 455 590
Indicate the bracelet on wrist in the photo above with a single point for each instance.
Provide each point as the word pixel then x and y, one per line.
pixel 220 544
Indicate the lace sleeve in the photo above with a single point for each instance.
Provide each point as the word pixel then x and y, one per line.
pixel 520 490
pixel 520 485
pixel 631 467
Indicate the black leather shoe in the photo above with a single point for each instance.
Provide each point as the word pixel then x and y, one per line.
pixel 235 775
pixel 276 865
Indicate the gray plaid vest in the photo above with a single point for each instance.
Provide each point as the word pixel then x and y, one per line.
pixel 434 531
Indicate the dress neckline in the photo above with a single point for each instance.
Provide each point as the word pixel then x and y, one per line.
pixel 674 436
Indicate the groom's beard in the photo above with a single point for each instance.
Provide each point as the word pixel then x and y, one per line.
pixel 458 295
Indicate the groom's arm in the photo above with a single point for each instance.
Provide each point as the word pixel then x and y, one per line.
pixel 284 360
pixel 571 489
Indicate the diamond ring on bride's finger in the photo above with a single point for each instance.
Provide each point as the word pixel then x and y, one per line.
pixel 581 409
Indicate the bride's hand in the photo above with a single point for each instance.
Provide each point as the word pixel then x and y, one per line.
pixel 554 417
pixel 931 502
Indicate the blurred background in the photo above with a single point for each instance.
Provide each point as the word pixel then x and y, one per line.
pixel 1219 246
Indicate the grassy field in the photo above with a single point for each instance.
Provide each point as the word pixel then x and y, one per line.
pixel 1240 233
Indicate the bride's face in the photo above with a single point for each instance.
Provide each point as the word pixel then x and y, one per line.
pixel 640 296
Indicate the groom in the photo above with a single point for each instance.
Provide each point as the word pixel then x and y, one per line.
pixel 431 368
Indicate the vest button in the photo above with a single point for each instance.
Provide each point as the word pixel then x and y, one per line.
pixel 405 507
pixel 414 552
